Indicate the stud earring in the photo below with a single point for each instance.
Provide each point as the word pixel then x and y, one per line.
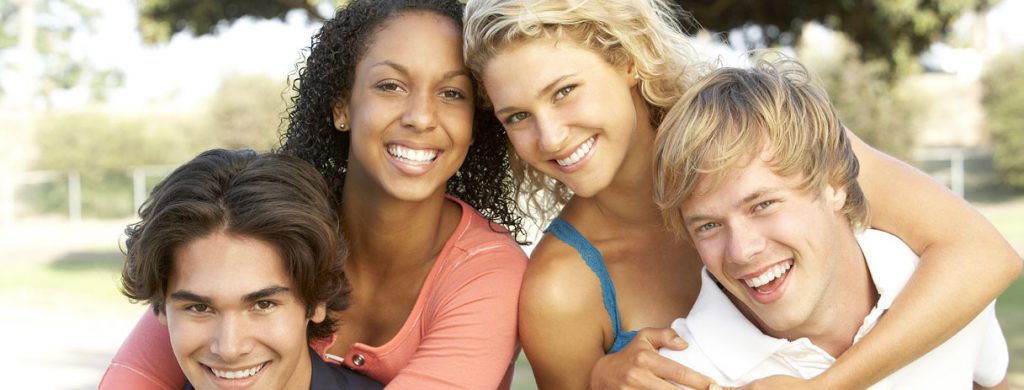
pixel 341 126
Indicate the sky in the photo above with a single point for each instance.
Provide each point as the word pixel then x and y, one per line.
pixel 179 74
pixel 187 69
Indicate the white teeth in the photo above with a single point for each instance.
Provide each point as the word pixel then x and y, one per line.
pixel 578 154
pixel 412 156
pixel 236 374
pixel 768 276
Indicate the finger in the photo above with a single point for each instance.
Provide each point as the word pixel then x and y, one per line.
pixel 671 370
pixel 663 338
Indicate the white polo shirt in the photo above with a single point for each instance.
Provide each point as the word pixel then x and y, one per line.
pixel 727 347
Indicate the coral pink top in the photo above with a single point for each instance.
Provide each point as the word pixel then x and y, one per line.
pixel 460 334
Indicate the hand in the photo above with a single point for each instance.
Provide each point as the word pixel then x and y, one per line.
pixel 781 382
pixel 639 366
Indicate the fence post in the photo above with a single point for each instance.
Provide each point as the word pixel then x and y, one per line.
pixel 956 167
pixel 74 196
pixel 7 196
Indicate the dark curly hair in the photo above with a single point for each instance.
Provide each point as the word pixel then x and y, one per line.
pixel 273 198
pixel 484 181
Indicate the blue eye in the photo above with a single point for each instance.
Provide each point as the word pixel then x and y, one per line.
pixel 562 93
pixel 707 227
pixel 763 205
pixel 516 118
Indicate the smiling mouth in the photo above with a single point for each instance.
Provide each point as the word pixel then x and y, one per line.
pixel 412 156
pixel 237 374
pixel 767 281
pixel 578 154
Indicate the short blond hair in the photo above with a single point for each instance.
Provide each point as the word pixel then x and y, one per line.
pixel 733 115
pixel 645 33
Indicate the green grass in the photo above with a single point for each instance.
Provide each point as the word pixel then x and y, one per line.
pixel 83 281
pixel 1010 311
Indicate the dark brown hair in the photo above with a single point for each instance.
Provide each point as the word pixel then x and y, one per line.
pixel 484 180
pixel 274 198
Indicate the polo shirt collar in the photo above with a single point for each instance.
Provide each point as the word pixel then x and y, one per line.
pixel 884 254
pixel 733 344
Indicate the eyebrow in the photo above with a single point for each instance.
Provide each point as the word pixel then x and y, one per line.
pixel 188 296
pixel 543 91
pixel 758 193
pixel 405 71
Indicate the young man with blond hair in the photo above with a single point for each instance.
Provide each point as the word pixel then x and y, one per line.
pixel 755 169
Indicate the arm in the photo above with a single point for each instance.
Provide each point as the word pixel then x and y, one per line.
pixel 965 264
pixel 145 360
pixel 561 319
pixel 469 339
pixel 1004 385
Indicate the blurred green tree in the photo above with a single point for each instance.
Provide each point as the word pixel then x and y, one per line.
pixel 891 30
pixel 56 23
pixel 881 112
pixel 246 112
pixel 160 19
pixel 1003 99
pixel 103 148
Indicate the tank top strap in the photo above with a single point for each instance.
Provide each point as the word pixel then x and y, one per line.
pixel 568 234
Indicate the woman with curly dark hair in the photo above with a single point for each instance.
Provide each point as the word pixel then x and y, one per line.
pixel 386 111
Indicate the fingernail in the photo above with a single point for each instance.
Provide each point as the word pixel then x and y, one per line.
pixel 679 340
pixel 714 386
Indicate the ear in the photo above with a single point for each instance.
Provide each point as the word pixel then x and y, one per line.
pixel 632 76
pixel 340 116
pixel 835 195
pixel 162 317
pixel 319 313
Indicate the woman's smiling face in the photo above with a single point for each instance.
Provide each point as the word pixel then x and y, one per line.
pixel 568 112
pixel 410 112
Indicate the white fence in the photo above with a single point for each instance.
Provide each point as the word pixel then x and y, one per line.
pixel 12 208
pixel 947 166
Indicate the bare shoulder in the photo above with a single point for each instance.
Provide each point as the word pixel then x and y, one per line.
pixel 562 323
pixel 557 278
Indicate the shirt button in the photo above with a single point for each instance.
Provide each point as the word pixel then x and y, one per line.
pixel 358 360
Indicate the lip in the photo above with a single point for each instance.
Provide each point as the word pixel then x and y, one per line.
pixel 242 383
pixel 412 169
pixel 776 293
pixel 583 160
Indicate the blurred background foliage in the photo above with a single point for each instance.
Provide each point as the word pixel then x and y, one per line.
pixel 61 65
pixel 1003 99
pixel 894 31
pixel 865 66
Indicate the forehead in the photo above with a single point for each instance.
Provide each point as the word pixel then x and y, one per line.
pixel 546 58
pixel 423 35
pixel 227 266
pixel 730 186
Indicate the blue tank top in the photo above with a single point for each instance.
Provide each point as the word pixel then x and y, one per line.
pixel 565 232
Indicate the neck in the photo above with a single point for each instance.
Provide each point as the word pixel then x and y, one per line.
pixel 387 235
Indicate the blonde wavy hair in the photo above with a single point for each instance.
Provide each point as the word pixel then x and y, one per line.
pixel 645 33
pixel 734 114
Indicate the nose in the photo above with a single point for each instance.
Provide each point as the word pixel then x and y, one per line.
pixel 420 112
pixel 745 242
pixel 232 339
pixel 553 134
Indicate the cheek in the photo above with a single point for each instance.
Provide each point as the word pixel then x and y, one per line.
pixel 186 336
pixel 521 141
